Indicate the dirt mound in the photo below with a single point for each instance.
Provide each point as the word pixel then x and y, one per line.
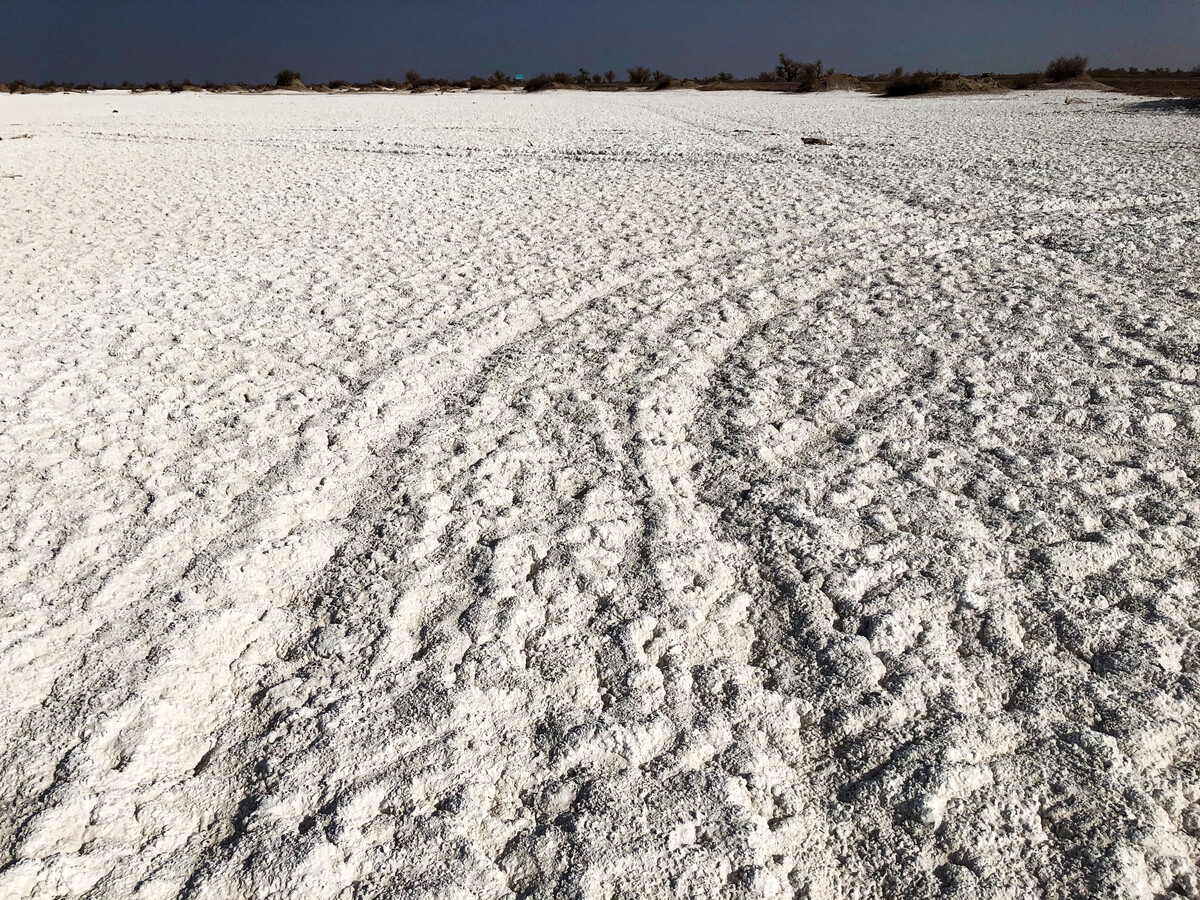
pixel 960 84
pixel 538 87
pixel 940 83
pixel 1084 82
pixel 839 81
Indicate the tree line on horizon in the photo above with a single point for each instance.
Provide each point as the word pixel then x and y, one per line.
pixel 800 75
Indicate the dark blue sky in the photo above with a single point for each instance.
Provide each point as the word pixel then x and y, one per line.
pixel 226 40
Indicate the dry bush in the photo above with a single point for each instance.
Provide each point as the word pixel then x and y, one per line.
pixel 1067 67
pixel 286 78
pixel 901 85
pixel 539 82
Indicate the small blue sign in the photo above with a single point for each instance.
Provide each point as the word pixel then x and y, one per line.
pixel 519 77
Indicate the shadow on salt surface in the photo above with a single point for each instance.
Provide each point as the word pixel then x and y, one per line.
pixel 1166 104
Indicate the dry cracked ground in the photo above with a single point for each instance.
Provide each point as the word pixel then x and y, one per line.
pixel 599 496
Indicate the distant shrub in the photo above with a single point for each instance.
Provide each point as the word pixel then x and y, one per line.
pixel 413 78
pixel 610 76
pixel 1067 67
pixel 1027 80
pixel 919 82
pixel 538 82
pixel 767 77
pixel 337 83
pixel 500 77
pixel 639 75
pixel 597 78
pixel 286 78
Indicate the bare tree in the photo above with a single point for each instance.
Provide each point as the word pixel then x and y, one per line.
pixel 788 69
pixel 804 75
pixel 639 75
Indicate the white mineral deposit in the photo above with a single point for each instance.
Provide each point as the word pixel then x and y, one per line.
pixel 584 496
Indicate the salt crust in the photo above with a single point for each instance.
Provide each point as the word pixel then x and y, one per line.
pixel 596 495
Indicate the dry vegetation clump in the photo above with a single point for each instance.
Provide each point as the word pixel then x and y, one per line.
pixel 420 85
pixel 1066 68
pixel 922 82
pixel 559 81
pixel 288 78
pixel 540 82
pixel 909 84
